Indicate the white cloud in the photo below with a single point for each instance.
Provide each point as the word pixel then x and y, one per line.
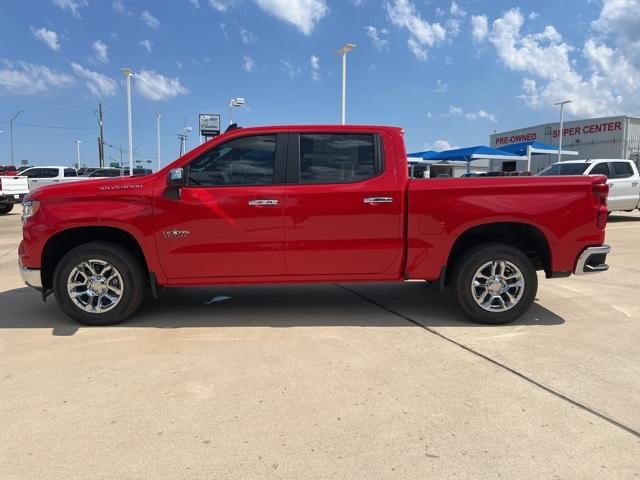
pixel 456 10
pixel 29 78
pixel 479 27
pixel 441 87
pixel 376 37
pixel 610 82
pixel 101 50
pixel 195 3
pixel 98 84
pixel 72 5
pixel 222 5
pixel 439 145
pixel 248 63
pixel 291 70
pixel 247 37
pixel 119 7
pixel 314 61
pixel 154 86
pixel 303 14
pixel 146 44
pixel 480 114
pixel 533 15
pixel 49 37
pixel 403 14
pixel 150 20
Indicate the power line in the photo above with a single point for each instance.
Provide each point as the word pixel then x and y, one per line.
pixel 57 127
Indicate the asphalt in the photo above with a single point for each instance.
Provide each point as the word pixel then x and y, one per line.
pixel 333 381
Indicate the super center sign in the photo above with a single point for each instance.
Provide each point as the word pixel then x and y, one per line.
pixel 589 129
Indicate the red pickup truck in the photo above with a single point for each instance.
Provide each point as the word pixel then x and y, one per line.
pixel 304 204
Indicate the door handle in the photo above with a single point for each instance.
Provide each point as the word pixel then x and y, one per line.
pixel 634 184
pixel 263 203
pixel 374 200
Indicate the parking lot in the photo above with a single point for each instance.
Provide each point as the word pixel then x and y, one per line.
pixel 337 381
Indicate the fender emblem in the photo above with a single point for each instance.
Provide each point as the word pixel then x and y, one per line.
pixel 176 233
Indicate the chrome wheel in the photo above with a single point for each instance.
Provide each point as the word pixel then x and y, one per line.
pixel 95 286
pixel 497 286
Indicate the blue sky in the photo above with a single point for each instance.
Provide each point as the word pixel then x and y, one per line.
pixel 448 72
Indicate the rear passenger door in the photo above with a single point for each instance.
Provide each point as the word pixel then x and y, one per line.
pixel 343 206
pixel 624 186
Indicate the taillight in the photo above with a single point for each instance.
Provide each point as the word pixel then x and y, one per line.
pixel 600 193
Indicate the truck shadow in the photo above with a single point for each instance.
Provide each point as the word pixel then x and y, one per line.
pixel 269 306
pixel 623 217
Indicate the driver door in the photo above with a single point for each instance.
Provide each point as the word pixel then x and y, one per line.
pixel 228 220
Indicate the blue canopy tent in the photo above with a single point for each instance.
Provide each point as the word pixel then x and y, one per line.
pixel 469 154
pixel 426 155
pixel 528 149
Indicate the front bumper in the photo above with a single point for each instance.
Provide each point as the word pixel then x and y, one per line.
pixel 31 276
pixel 592 260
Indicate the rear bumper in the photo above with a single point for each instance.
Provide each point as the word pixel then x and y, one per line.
pixel 31 276
pixel 592 260
pixel 12 198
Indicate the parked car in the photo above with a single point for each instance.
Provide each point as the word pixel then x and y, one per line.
pixel 8 170
pixel 13 189
pixel 41 176
pixel 86 171
pixel 622 177
pixel 306 204
pixel 118 172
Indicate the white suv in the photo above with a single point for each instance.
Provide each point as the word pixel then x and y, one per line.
pixel 622 175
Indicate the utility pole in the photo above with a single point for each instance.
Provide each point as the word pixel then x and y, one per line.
pixel 11 129
pixel 78 142
pixel 127 75
pixel 101 145
pixel 343 51
pixel 562 104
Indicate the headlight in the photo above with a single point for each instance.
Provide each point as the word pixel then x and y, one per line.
pixel 29 208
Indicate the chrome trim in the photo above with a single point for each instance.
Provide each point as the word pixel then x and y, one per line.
pixel 263 203
pixel 373 200
pixel 582 267
pixel 32 277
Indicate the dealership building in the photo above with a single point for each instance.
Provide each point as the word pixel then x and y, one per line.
pixel 609 137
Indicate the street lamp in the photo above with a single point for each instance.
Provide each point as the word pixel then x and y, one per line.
pixel 234 102
pixel 183 139
pixel 128 73
pixel 78 142
pixel 11 129
pixel 158 139
pixel 343 51
pixel 562 104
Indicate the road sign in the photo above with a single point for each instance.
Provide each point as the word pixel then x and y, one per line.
pixel 209 124
pixel 114 165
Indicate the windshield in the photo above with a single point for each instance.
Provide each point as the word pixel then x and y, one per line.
pixel 564 169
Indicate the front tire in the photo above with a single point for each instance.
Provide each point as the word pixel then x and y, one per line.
pixel 6 208
pixel 99 283
pixel 494 283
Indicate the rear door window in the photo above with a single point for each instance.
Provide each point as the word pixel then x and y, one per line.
pixel 49 173
pixel 70 172
pixel 337 158
pixel 565 169
pixel 601 169
pixel 622 170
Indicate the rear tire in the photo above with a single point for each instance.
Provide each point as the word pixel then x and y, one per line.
pixel 99 283
pixel 494 283
pixel 5 208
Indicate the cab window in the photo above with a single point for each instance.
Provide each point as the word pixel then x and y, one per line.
pixel 600 169
pixel 70 172
pixel 622 170
pixel 243 161
pixel 337 158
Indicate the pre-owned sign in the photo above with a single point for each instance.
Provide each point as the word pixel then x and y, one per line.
pixel 209 124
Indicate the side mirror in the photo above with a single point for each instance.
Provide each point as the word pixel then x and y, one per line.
pixel 177 178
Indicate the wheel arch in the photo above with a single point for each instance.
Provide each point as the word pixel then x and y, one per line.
pixel 528 238
pixel 61 243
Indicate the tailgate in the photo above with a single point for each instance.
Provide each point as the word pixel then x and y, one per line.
pixel 14 185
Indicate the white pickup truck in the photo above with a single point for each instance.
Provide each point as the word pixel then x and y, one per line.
pixel 40 176
pixel 12 190
pixel 622 177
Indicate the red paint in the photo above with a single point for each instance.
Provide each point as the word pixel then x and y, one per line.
pixel 316 233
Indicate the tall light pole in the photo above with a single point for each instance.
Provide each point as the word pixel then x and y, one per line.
pixel 158 139
pixel 128 73
pixel 343 51
pixel 562 104
pixel 78 142
pixel 11 129
pixel 234 102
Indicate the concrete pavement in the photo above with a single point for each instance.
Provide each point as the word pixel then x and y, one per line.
pixel 355 381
